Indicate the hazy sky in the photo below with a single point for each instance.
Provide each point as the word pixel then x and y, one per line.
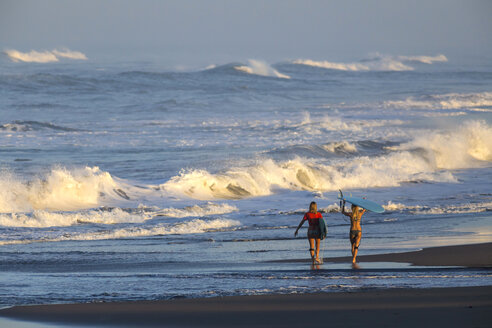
pixel 201 31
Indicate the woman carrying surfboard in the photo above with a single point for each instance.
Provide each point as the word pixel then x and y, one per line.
pixel 359 207
pixel 355 227
pixel 315 233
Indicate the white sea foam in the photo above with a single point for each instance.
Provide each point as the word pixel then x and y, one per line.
pixel 44 56
pixel 198 210
pixel 194 226
pixel 383 64
pixel 43 219
pixel 470 101
pixel 31 57
pixel 14 127
pixel 303 174
pixel 424 59
pixel 258 67
pixel 422 159
pixel 330 123
pixel 457 148
pixel 60 190
pixel 341 147
pixel 333 65
pixel 66 53
pixel 377 62
pixel 449 209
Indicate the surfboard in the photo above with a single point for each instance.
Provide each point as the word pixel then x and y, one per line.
pixel 361 202
pixel 323 228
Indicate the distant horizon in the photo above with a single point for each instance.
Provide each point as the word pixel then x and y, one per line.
pixel 197 33
pixel 369 62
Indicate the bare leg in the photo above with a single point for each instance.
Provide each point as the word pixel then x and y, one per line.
pixel 355 246
pixel 311 247
pixel 318 241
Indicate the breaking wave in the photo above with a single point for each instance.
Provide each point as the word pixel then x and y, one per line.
pixel 44 56
pixel 455 149
pixel 24 126
pixel 197 210
pixel 258 67
pixel 59 190
pixel 341 147
pixel 426 158
pixel 108 216
pixel 194 226
pixel 450 209
pixel 375 63
pixel 424 59
pixel 43 219
pixel 477 101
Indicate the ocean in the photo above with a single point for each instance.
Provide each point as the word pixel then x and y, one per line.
pixel 135 181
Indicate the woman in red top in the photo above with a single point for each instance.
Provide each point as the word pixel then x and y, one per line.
pixel 314 231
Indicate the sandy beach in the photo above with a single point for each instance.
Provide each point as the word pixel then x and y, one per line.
pixel 441 307
pixel 446 307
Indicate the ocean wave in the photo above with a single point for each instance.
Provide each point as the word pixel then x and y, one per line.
pixel 330 123
pixel 424 59
pixel 59 190
pixel 472 101
pixel 374 63
pixel 43 219
pixel 455 149
pixel 426 158
pixel 258 67
pixel 333 65
pixel 108 216
pixel 24 126
pixel 194 226
pixel 343 147
pixel 44 56
pixel 197 210
pixel 304 174
pixel 439 210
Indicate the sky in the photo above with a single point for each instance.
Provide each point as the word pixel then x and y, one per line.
pixel 213 31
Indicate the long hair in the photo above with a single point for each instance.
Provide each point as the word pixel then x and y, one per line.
pixel 313 208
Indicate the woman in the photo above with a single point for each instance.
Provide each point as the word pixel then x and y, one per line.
pixel 314 231
pixel 355 228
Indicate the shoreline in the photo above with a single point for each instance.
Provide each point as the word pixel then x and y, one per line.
pixel 402 307
pixel 471 256
pixel 450 307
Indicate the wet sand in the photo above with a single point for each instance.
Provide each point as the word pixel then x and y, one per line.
pixel 444 307
pixel 475 256
pixel 439 307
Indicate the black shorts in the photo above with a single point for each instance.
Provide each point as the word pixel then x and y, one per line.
pixel 354 234
pixel 314 232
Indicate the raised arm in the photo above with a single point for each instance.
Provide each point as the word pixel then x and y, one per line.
pixel 343 210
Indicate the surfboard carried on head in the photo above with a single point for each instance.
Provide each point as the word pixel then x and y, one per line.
pixel 361 202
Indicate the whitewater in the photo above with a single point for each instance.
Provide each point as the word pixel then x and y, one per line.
pixel 191 183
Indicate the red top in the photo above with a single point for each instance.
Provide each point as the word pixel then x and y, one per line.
pixel 313 218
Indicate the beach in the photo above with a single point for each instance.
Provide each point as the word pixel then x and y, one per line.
pixel 135 193
pixel 158 158
pixel 390 307
pixel 443 307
